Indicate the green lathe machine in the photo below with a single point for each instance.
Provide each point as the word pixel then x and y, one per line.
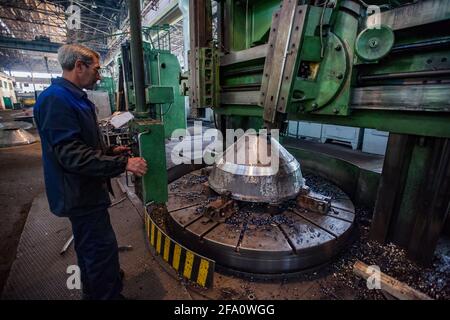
pixel 151 74
pixel 371 64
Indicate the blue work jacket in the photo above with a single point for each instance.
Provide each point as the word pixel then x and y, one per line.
pixel 77 166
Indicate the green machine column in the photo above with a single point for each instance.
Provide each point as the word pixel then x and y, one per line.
pixel 150 137
pixel 148 134
pixel 413 196
pixel 162 92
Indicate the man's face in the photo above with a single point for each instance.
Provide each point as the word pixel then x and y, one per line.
pixel 90 74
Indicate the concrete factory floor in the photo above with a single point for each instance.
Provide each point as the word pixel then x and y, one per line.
pixel 39 271
pixel 36 270
pixel 21 181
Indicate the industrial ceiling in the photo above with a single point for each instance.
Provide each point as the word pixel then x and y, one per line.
pixel 46 24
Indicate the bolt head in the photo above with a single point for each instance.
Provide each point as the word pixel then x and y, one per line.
pixel 373 43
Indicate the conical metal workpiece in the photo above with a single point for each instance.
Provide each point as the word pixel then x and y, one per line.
pixel 256 168
pixel 13 134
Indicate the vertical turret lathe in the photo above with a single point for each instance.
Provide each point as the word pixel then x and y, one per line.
pixel 371 64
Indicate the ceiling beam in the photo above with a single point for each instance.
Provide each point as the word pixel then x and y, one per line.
pixel 92 11
pixel 33 9
pixel 32 22
pixel 33 45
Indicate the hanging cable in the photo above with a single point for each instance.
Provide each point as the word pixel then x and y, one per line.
pixel 167 111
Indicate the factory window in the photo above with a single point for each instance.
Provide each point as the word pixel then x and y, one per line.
pixel 5 85
pixel 10 86
pixel 1 84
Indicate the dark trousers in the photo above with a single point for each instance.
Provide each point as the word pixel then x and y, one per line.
pixel 98 256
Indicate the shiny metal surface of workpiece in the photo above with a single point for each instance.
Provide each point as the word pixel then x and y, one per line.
pixel 14 134
pixel 13 125
pixel 256 171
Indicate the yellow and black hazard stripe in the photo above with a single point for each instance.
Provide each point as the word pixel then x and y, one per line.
pixel 187 263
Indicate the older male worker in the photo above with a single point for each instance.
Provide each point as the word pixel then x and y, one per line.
pixel 77 169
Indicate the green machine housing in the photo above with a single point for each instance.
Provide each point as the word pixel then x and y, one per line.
pixel 324 64
pixel 162 80
pixel 163 112
pixel 150 145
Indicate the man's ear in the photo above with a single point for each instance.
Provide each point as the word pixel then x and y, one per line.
pixel 78 66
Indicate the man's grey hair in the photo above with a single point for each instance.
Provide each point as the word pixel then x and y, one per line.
pixel 68 54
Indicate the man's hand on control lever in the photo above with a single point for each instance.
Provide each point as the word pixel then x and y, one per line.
pixel 137 166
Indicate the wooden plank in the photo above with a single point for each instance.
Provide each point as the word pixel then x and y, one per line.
pixel 392 286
